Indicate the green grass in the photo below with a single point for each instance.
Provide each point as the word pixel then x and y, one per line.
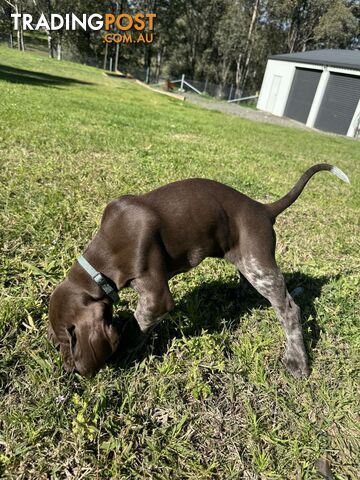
pixel 208 397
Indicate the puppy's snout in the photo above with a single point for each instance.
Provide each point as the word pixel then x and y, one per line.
pixel 86 372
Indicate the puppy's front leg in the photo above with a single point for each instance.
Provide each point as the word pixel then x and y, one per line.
pixel 154 302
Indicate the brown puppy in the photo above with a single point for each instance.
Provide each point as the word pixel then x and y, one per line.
pixel 82 326
pixel 145 240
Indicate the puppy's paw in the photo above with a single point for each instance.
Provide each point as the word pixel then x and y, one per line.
pixel 298 367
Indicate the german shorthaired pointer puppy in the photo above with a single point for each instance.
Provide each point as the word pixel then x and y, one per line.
pixel 145 240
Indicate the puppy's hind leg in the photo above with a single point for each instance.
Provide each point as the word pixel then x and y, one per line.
pixel 269 282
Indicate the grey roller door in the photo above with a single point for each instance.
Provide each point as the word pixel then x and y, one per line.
pixel 302 94
pixel 339 103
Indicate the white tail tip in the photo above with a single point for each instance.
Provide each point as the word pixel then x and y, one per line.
pixel 340 174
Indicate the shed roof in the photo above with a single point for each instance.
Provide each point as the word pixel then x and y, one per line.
pixel 330 57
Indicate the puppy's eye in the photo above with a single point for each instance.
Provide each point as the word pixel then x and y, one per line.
pixel 72 337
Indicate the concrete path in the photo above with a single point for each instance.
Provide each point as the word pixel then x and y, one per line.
pixel 244 112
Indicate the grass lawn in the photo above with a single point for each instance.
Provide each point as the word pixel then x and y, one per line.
pixel 208 397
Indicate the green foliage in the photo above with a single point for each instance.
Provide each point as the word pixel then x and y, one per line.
pixel 337 26
pixel 315 24
pixel 221 41
pixel 208 397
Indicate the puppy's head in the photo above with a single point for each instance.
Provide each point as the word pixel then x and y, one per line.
pixel 83 328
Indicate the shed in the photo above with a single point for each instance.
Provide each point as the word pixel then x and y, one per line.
pixel 320 88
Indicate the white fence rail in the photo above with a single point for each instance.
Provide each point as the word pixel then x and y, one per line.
pixel 225 92
pixel 243 98
pixel 183 82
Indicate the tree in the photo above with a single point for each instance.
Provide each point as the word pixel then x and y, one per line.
pixel 6 22
pixel 221 41
pixel 17 5
pixel 243 59
pixel 308 24
pixel 337 27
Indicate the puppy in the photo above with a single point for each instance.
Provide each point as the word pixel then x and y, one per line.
pixel 145 240
pixel 82 326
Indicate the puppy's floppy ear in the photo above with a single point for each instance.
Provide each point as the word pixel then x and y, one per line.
pixel 93 339
pixel 61 317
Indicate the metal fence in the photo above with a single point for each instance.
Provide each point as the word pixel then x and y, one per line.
pixel 183 83
pixel 222 91
pixel 186 84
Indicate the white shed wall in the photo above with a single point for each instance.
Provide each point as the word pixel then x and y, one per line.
pixel 267 102
pixel 355 122
pixel 285 70
pixel 277 82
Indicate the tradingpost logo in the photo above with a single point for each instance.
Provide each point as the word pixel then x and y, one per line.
pixel 122 28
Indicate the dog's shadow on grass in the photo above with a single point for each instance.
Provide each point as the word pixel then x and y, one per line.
pixel 217 304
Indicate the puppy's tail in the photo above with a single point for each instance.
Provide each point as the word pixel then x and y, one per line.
pixel 280 205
